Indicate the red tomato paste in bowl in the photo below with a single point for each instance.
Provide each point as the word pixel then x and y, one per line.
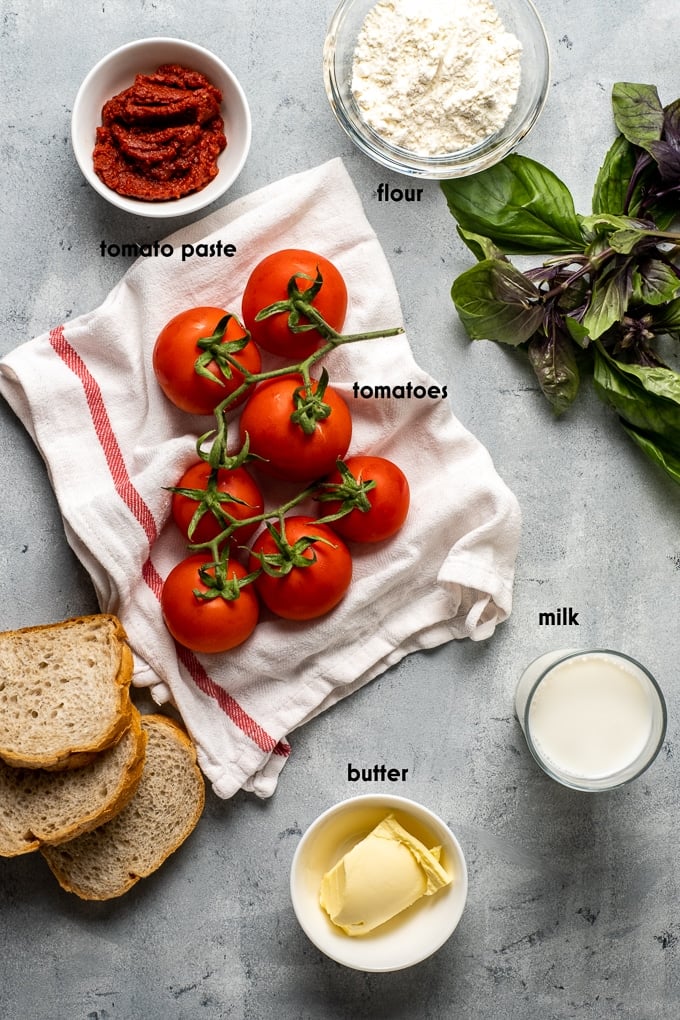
pixel 160 138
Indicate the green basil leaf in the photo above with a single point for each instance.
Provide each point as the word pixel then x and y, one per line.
pixel 667 318
pixel 611 186
pixel 495 301
pixel 480 246
pixel 638 112
pixel 624 241
pixel 634 403
pixel 664 212
pixel 604 224
pixel 665 455
pixel 554 363
pixel 659 381
pixel 608 301
pixel 577 331
pixel 518 204
pixel 654 282
pixel 622 233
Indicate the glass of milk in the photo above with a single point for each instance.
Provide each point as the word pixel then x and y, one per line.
pixel 593 720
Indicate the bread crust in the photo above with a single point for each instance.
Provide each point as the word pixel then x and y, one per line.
pixel 66 861
pixel 61 824
pixel 75 752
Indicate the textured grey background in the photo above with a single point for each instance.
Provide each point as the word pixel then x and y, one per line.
pixel 573 905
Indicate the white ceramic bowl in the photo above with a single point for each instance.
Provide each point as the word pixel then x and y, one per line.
pixel 409 937
pixel 518 16
pixel 116 72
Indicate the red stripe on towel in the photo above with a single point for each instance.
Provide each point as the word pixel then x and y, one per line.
pixel 105 433
pixel 133 500
pixel 229 705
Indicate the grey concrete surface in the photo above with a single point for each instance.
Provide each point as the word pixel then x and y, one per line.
pixel 573 909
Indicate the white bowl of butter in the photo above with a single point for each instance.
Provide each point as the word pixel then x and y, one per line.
pixel 390 872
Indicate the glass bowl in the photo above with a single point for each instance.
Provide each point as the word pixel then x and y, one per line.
pixel 518 16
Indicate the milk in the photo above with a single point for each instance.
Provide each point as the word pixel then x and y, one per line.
pixel 593 720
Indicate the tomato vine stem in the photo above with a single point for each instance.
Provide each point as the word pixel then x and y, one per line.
pixel 219 540
pixel 309 408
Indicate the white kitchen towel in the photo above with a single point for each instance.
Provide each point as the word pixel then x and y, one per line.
pixel 112 444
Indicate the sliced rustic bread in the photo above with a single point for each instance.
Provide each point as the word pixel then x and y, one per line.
pixel 166 807
pixel 64 691
pixel 38 806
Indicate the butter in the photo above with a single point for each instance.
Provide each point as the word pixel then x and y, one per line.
pixel 381 876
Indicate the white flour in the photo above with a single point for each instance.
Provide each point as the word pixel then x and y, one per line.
pixel 435 76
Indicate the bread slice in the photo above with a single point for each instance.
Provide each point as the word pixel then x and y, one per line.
pixel 165 809
pixel 38 806
pixel 64 691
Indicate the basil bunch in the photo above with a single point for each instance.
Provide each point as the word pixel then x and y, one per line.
pixel 611 284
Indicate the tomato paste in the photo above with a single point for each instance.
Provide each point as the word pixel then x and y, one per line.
pixel 161 137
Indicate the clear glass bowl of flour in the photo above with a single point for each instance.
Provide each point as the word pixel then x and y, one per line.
pixel 435 88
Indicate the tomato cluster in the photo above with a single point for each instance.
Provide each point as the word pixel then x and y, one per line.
pixel 293 427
